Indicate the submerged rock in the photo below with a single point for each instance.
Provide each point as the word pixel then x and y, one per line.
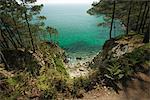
pixel 79 58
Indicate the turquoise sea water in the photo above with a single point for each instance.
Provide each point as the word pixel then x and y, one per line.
pixel 79 34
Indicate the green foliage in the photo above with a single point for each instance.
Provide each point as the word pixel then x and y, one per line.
pixel 138 58
pixel 43 83
pixel 16 85
pixel 18 29
pixel 60 66
pixel 14 95
pixel 51 82
pixel 51 94
pixel 11 81
pixel 19 60
pixel 137 54
pixel 123 68
pixel 53 33
pixel 114 72
pixel 133 14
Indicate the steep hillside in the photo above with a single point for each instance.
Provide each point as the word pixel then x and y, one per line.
pixel 120 71
pixel 31 75
pixel 124 66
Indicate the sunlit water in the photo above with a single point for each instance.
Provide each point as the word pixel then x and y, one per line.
pixel 79 34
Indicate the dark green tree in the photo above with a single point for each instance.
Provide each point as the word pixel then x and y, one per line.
pixel 113 16
pixel 17 28
pixel 137 20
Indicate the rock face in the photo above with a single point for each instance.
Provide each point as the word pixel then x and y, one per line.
pixel 116 48
pixel 113 49
pixel 119 50
pixel 107 48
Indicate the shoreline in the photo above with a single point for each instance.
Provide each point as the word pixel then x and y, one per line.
pixel 79 65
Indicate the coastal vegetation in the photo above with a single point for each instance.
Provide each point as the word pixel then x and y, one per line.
pixel 35 68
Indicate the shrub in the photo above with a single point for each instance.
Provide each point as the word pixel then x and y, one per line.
pixel 114 72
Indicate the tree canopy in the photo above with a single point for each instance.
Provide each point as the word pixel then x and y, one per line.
pixel 21 24
pixel 135 15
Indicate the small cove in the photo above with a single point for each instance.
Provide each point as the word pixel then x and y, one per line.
pixel 79 34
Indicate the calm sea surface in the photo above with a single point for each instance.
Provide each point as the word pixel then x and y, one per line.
pixel 79 34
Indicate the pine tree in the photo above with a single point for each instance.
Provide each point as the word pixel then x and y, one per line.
pixel 113 15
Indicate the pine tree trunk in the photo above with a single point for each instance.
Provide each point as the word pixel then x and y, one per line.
pixel 20 40
pixel 4 60
pixel 113 16
pixel 128 21
pixel 30 34
pixel 146 17
pixel 13 36
pixel 28 25
pixel 9 37
pixel 146 34
pixel 2 45
pixel 4 39
pixel 137 23
pixel 142 18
